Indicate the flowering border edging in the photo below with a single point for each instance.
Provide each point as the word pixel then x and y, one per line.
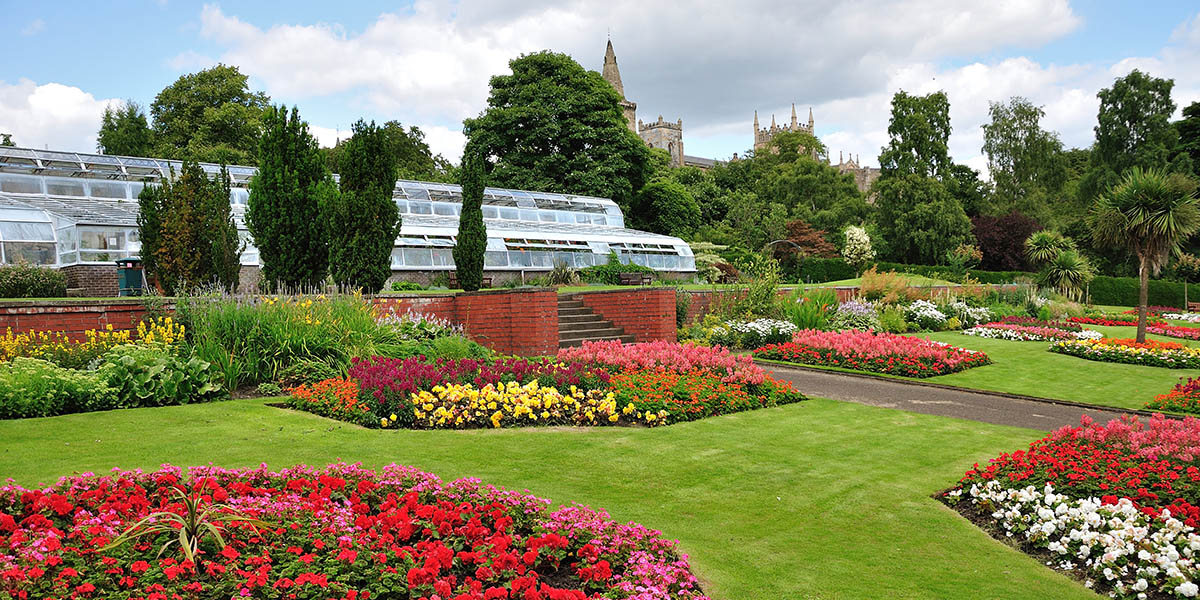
pixel 925 383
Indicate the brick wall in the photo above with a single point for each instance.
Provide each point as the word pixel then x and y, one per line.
pixel 92 281
pixel 71 316
pixel 521 321
pixel 647 313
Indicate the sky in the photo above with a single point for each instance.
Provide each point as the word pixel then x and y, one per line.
pixel 711 64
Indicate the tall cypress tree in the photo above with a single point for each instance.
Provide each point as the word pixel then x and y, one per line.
pixel 364 220
pixel 472 236
pixel 286 198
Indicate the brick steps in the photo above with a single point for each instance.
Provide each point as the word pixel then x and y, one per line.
pixel 578 324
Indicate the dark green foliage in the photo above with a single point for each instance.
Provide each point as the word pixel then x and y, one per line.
pixel 31 281
pixel 919 219
pixel 665 206
pixel 683 302
pixel 472 235
pixel 920 134
pixel 1188 130
pixel 286 200
pixel 363 218
pixel 610 272
pixel 305 372
pixel 554 126
pixel 6 139
pixel 125 131
pixel 406 286
pixel 408 151
pixel 1123 291
pixel 820 270
pixel 972 192
pixel 209 116
pixel 187 231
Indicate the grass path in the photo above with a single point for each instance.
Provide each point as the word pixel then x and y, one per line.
pixel 818 500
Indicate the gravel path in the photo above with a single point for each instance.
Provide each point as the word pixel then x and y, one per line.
pixel 958 403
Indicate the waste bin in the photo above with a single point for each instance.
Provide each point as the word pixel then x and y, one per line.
pixel 131 280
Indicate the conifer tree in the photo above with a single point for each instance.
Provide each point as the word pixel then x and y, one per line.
pixel 363 219
pixel 286 197
pixel 472 236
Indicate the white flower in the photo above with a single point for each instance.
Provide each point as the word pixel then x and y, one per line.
pixel 1187 589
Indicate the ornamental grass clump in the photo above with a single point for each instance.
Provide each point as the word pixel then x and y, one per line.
pixel 873 352
pixel 1151 353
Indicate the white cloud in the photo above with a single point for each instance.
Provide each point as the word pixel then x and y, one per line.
pixel 50 115
pixel 34 27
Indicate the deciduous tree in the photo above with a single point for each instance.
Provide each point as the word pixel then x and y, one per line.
pixel 209 116
pixel 1026 162
pixel 124 131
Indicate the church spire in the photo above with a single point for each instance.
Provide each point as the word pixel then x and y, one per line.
pixel 611 73
pixel 810 119
pixel 772 121
pixel 793 115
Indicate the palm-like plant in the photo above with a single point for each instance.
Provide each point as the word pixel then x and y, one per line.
pixel 1044 246
pixel 188 528
pixel 1150 214
pixel 1068 273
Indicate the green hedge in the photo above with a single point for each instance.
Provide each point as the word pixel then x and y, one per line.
pixel 28 281
pixel 820 270
pixel 1123 291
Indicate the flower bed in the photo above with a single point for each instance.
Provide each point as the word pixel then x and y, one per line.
pixel 57 347
pixel 1152 353
pixel 1184 397
pixel 340 532
pixel 1026 333
pixel 1111 322
pixel 1116 504
pixel 1154 311
pixel 665 384
pixel 874 352
pixel 680 358
pixel 1032 322
pixel 1175 331
pixel 1182 316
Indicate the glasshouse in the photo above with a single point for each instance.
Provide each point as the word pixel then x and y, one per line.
pixel 79 211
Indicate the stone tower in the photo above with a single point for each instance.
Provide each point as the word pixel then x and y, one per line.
pixel 612 74
pixel 665 135
pixel 763 136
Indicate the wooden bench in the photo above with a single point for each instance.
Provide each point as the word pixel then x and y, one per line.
pixel 635 279
pixel 487 281
pixel 1193 307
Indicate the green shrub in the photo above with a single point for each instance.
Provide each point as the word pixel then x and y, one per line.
pixel 156 376
pixel 892 320
pixel 683 302
pixel 451 347
pixel 610 272
pixel 1123 291
pixel 31 281
pixel 406 286
pixel 35 388
pixel 269 389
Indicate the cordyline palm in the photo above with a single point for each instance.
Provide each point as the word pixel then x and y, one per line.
pixel 1149 214
pixel 1044 246
pixel 1067 273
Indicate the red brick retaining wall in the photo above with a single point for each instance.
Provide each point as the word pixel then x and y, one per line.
pixel 71 316
pixel 647 313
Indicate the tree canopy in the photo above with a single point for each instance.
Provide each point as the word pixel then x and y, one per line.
pixel 209 116
pixel 1026 162
pixel 919 219
pixel 920 136
pixel 407 147
pixel 553 126
pixel 363 218
pixel 124 131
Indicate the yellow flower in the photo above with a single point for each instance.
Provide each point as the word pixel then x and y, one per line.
pixel 383 422
pixel 393 417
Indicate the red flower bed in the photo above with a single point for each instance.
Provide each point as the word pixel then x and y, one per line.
pixel 1184 397
pixel 695 394
pixel 1111 322
pixel 1155 311
pixel 342 532
pixel 1151 464
pixel 1032 322
pixel 1175 331
pixel 874 352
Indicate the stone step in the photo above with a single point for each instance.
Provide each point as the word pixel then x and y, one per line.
pixel 564 319
pixel 565 312
pixel 588 326
pixel 566 303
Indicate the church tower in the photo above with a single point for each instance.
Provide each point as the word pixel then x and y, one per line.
pixel 763 135
pixel 612 74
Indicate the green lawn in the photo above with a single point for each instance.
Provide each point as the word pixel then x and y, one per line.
pixel 1029 368
pixel 817 500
